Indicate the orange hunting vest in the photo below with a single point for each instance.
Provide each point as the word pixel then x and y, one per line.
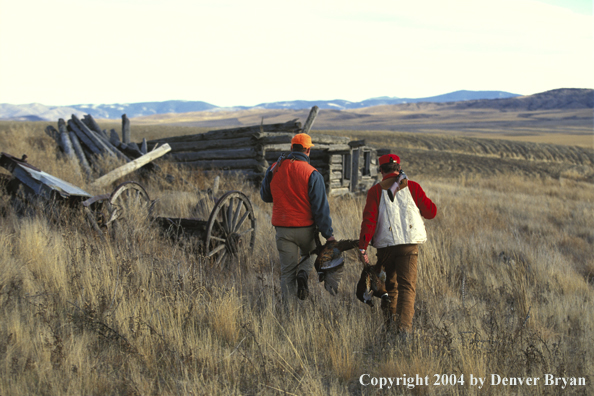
pixel 290 194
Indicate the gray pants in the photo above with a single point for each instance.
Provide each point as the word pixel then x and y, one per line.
pixel 292 243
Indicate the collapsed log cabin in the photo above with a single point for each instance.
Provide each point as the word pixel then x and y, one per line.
pixel 347 166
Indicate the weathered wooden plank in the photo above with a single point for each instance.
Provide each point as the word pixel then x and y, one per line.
pixel 113 148
pixel 96 138
pixel 248 152
pixel 131 166
pixel 91 123
pixel 314 155
pixel 66 144
pixel 88 143
pixel 114 138
pixel 310 119
pixel 82 160
pixel 335 148
pixel 276 138
pixel 53 133
pixel 318 163
pixel 177 147
pixel 335 183
pixel 354 169
pixel 335 159
pixel 339 191
pixel 125 129
pixel 357 143
pixel 290 126
pixel 233 133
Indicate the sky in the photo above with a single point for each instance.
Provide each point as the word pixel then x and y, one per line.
pixel 242 53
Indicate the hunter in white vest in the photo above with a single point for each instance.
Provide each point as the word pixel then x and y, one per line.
pixel 393 224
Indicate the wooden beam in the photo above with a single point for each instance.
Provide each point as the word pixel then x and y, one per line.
pixel 53 133
pixel 96 138
pixel 82 160
pixel 247 152
pixel 88 142
pixel 131 166
pixel 91 123
pixel 125 129
pixel 114 139
pixel 310 119
pixel 177 147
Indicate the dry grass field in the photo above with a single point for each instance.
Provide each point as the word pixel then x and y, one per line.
pixel 506 287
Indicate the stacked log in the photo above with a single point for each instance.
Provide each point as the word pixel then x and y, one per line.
pixel 232 151
pixel 82 141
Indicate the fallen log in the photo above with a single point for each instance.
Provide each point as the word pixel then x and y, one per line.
pixel 88 142
pixel 91 123
pixel 131 166
pixel 53 133
pixel 92 136
pixel 78 151
pixel 114 139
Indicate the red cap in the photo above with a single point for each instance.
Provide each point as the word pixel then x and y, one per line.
pixel 303 139
pixel 388 158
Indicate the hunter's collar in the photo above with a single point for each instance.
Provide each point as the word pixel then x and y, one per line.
pixel 298 156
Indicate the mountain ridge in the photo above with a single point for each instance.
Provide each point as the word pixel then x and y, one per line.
pixel 40 112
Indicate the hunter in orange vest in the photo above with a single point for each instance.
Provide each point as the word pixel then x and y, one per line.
pixel 298 195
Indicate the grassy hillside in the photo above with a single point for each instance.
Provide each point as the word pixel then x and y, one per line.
pixel 505 287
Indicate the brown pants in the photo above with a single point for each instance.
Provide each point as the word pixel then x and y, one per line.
pixel 400 264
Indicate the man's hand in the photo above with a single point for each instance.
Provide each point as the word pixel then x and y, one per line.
pixel 331 239
pixel 363 256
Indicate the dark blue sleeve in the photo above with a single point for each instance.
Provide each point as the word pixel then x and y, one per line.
pixel 265 192
pixel 319 204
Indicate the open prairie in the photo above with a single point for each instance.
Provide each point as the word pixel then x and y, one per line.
pixel 505 290
pixel 566 126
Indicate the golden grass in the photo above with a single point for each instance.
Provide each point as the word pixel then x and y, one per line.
pixel 505 287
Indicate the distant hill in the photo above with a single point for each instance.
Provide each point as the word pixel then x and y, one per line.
pixel 385 100
pixel 41 112
pixel 556 99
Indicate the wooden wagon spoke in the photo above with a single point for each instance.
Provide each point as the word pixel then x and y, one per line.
pixel 245 232
pixel 216 250
pixel 235 215
pixel 230 215
pixel 226 223
pixel 220 259
pixel 241 221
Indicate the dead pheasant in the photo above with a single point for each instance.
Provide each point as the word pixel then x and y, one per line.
pixel 329 263
pixel 371 283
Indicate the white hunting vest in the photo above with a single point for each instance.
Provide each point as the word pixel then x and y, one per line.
pixel 398 222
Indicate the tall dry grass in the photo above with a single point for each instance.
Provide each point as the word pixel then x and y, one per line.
pixel 505 287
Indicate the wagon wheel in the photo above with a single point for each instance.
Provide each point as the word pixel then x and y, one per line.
pixel 231 227
pixel 128 201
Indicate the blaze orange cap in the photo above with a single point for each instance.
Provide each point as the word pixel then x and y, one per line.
pixel 386 159
pixel 303 139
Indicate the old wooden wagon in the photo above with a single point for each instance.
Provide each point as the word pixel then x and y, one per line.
pixel 228 232
pixel 347 166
